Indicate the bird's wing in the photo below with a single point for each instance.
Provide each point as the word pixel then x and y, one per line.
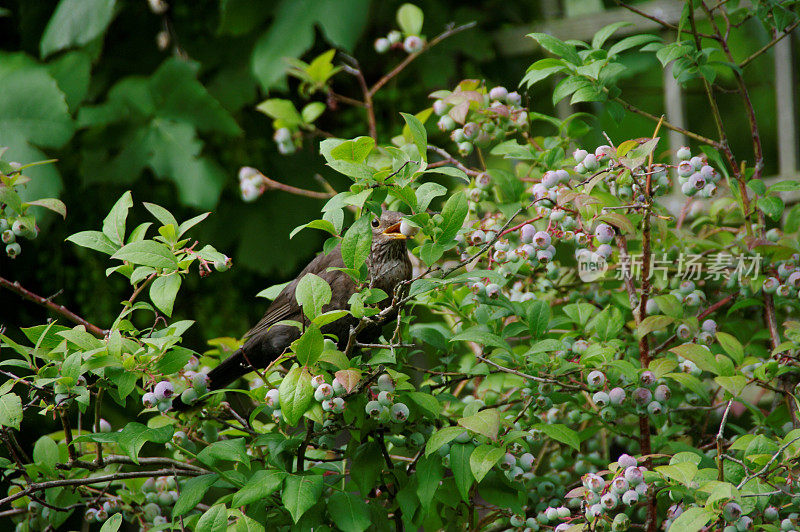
pixel 285 307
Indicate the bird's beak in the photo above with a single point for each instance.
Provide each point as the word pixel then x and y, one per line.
pixel 393 231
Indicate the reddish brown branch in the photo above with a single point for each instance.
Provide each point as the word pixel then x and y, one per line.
pixel 60 310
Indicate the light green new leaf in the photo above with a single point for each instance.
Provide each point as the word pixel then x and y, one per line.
pixel 312 293
pixel 10 411
pixel 483 458
pixel 485 422
pixel 693 519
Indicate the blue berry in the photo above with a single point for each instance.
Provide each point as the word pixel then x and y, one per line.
pixel 684 153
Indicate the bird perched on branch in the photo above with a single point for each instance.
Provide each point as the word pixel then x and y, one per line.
pixel 387 264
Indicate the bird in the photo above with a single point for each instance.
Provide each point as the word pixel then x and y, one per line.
pixel 388 265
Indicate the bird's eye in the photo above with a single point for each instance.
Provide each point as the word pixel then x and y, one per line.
pixel 376 222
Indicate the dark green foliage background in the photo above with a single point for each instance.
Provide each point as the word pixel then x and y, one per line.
pixel 223 40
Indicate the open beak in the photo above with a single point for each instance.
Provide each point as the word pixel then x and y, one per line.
pixel 393 231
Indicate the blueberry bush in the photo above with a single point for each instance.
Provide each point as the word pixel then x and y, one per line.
pixel 571 353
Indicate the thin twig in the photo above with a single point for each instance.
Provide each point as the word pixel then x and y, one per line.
pixel 405 62
pixel 61 310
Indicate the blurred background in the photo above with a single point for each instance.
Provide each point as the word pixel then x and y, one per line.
pixel 160 98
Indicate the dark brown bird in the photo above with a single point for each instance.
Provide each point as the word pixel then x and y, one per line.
pixel 388 264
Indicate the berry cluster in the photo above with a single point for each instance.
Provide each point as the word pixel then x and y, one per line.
pixel 695 175
pixel 13 229
pixel 329 395
pixel 394 40
pixel 383 408
pixel 649 397
pixel 785 278
pixel 486 117
pixel 604 498
pixel 160 495
pixel 623 182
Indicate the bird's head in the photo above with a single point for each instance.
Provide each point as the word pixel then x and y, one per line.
pixel 386 230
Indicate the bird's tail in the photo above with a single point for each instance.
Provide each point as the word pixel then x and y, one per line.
pixel 226 372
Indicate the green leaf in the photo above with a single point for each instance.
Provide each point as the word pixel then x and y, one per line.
pixel 561 433
pixel 45 453
pixel 538 318
pixel 312 293
pixel 283 110
pixel 425 194
pixel 483 458
pixel 308 347
pixel 131 438
pixel 426 402
pixel 161 214
pixel 163 292
pixel 312 111
pixel 653 323
pixel 620 221
pixel 608 323
pixel 410 18
pixel 225 450
pixel 192 492
pixel 733 385
pixel 354 151
pixel 418 133
pixel 112 524
pixel 260 486
pixel 731 346
pixel 429 475
pixel 296 394
pixel 94 240
pixel 784 186
pixel 32 111
pixel 460 465
pixel 215 519
pixel 670 305
pixel 52 204
pixel 481 336
pixel 605 32
pixel 557 47
pixel 301 493
pixel 692 519
pixel 772 206
pixel 631 42
pixel 682 472
pixel 691 382
pixel 114 223
pixel 76 23
pixel 440 437
pixel 349 512
pixel 579 312
pixel 698 354
pixel 485 422
pixel 357 243
pixel 148 253
pixel 10 411
pixel 454 213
